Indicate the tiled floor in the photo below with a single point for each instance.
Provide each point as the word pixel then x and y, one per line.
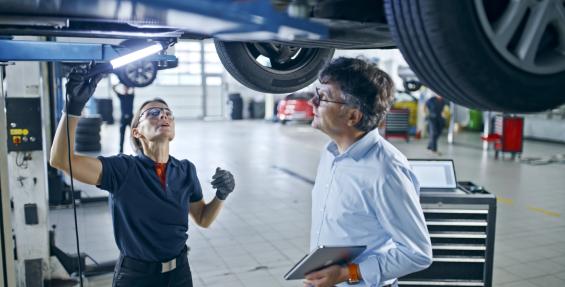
pixel 264 227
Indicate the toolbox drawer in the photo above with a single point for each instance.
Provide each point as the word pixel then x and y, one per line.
pixel 461 227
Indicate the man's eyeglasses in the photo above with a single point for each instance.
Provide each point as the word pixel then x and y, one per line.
pixel 321 96
pixel 153 113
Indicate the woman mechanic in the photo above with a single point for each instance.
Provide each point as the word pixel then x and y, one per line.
pixel 151 193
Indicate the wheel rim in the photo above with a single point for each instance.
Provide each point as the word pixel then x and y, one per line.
pixel 279 59
pixel 530 34
pixel 140 72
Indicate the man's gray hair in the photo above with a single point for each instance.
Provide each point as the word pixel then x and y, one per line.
pixel 364 86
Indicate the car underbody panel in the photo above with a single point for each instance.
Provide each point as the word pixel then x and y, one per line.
pixel 250 21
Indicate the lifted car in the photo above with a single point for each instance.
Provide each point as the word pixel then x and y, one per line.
pixel 505 55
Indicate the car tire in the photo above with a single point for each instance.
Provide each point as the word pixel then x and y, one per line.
pixel 88 130
pixel 140 73
pixel 288 75
pixel 447 46
pixel 90 121
pixel 87 138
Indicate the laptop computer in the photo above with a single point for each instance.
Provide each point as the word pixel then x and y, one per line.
pixel 434 174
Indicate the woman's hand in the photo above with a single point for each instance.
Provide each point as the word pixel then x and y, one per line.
pixel 223 182
pixel 80 88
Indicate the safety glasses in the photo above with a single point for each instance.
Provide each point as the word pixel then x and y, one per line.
pixel 321 96
pixel 155 112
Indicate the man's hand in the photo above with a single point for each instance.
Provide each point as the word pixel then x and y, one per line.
pixel 223 182
pixel 80 89
pixel 327 277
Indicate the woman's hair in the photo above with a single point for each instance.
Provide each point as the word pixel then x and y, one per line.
pixel 135 142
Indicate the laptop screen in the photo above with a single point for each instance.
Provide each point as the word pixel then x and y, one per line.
pixel 434 173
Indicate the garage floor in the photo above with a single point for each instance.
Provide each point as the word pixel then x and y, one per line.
pixel 264 227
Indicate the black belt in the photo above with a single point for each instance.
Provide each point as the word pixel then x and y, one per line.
pixel 153 267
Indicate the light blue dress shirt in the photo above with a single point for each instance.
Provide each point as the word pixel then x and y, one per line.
pixel 369 196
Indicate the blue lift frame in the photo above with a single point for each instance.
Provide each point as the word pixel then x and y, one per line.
pixel 12 50
pixel 227 20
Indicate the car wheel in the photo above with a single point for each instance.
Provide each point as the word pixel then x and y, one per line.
pixel 490 55
pixel 140 73
pixel 272 68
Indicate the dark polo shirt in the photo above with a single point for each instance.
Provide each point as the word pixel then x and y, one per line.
pixel 150 223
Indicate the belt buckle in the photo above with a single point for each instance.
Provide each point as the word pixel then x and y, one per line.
pixel 168 266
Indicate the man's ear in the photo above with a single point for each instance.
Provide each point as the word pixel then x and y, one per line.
pixel 355 116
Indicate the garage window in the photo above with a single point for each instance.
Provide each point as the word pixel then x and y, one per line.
pixel 195 57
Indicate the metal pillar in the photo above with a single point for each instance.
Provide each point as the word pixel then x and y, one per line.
pixel 269 106
pixel 486 127
pixel 7 268
pixel 451 129
pixel 203 81
pixel 421 119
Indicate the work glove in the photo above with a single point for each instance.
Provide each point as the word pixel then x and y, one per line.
pixel 80 88
pixel 223 182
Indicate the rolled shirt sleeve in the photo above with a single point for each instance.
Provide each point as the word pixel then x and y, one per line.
pixel 400 214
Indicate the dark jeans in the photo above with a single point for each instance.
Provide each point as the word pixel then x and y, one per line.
pixel 130 276
pixel 124 122
pixel 435 128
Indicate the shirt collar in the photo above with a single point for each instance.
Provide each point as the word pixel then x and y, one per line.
pixel 358 149
pixel 150 163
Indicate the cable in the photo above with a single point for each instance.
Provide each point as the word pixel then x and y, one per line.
pixel 72 185
pixel 95 262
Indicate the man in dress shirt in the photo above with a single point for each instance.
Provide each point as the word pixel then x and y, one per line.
pixel 365 192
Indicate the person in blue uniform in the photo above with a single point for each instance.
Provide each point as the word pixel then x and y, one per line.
pixel 125 95
pixel 152 193
pixel 434 108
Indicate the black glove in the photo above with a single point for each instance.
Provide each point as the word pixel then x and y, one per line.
pixel 223 182
pixel 80 88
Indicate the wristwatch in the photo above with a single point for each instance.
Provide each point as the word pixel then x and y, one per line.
pixel 353 274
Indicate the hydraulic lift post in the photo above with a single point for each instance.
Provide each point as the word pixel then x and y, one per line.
pixel 7 275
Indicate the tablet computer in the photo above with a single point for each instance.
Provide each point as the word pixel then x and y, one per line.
pixel 322 257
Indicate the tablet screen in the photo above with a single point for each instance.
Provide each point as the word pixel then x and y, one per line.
pixel 434 173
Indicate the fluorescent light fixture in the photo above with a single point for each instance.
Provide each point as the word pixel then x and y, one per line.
pixel 140 54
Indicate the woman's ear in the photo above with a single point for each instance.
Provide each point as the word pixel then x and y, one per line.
pixel 135 132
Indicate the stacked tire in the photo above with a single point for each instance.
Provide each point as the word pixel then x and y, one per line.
pixel 88 134
pixel 236 106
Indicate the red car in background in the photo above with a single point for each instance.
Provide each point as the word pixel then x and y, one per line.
pixel 295 107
